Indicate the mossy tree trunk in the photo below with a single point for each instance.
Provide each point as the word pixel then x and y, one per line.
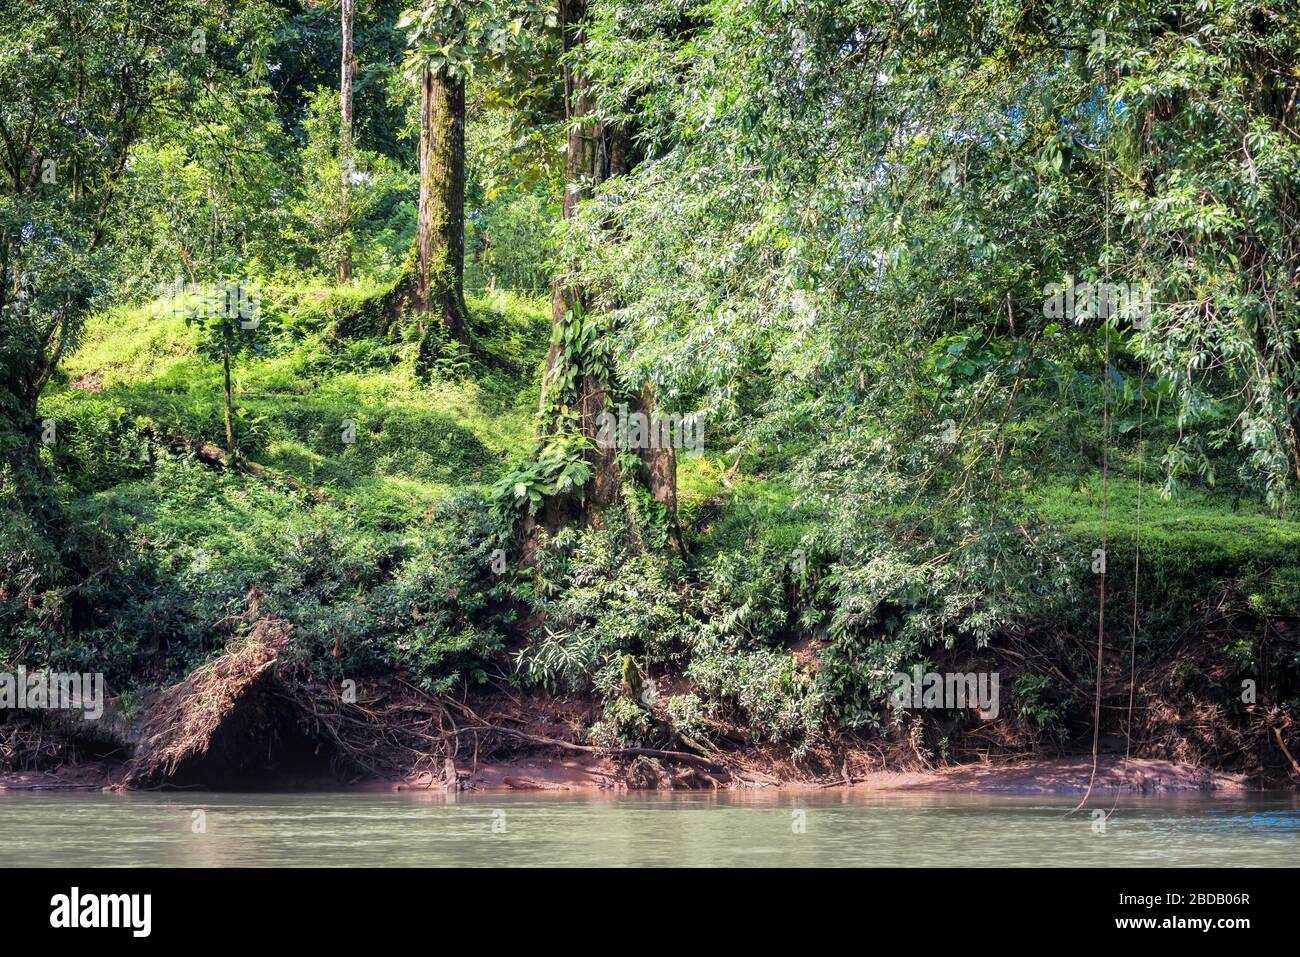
pixel 438 284
pixel 347 67
pixel 596 152
pixel 229 407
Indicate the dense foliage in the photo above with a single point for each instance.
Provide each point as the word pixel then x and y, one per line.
pixel 875 246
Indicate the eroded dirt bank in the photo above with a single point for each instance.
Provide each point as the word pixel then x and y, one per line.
pixel 1068 775
pixel 554 771
pixel 251 720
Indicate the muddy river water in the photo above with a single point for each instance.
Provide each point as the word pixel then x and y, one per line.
pixel 824 828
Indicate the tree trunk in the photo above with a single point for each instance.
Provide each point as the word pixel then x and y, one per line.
pixel 440 236
pixel 346 68
pixel 18 397
pixel 596 152
pixel 230 408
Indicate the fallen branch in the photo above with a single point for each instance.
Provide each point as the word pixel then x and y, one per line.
pixel 682 756
pixel 1285 750
pixel 217 458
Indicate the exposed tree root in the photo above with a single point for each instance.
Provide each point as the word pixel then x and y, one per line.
pixel 192 724
pixel 682 756
pixel 254 717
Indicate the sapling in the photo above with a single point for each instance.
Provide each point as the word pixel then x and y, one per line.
pixel 226 316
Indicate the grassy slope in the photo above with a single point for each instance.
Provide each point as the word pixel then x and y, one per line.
pixel 1195 547
pixel 138 373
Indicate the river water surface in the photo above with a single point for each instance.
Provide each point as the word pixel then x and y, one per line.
pixel 673 829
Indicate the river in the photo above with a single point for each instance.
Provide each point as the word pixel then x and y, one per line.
pixel 804 829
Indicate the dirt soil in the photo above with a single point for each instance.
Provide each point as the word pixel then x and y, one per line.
pixel 243 723
pixel 542 772
pixel 1064 776
pixel 91 776
pixel 546 770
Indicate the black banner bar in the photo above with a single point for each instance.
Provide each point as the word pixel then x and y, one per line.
pixel 216 907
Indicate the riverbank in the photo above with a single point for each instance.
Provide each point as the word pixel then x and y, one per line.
pixel 1067 775
pixel 242 724
pixel 542 771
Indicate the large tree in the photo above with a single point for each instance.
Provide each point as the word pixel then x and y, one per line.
pixel 347 67
pixel 440 236
pixel 579 386
pixel 449 40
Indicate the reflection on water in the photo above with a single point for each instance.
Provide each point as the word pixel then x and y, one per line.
pixel 805 829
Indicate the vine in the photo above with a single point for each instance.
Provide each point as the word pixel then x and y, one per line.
pixel 557 461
